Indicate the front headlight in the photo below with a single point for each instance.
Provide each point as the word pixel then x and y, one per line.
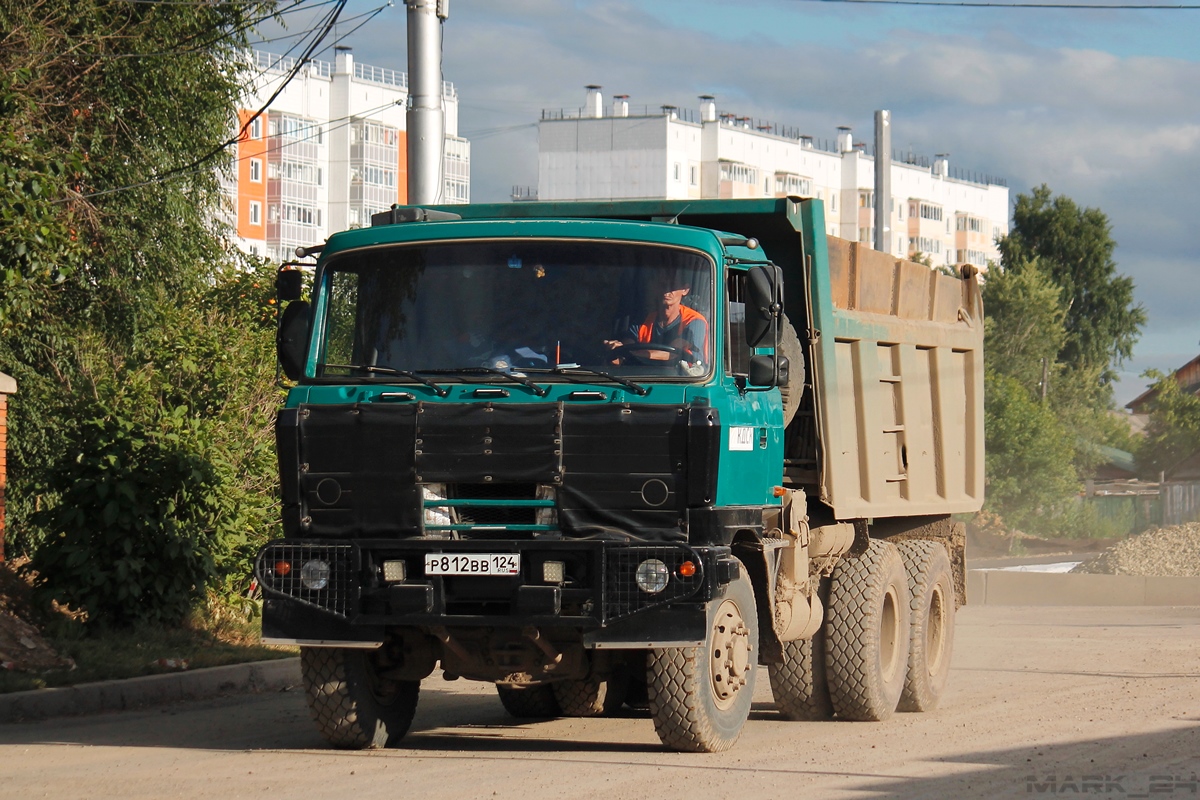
pixel 315 574
pixel 652 576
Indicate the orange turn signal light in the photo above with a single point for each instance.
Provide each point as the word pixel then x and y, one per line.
pixel 778 491
pixel 282 568
pixel 687 569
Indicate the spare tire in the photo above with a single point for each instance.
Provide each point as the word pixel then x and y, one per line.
pixel 791 349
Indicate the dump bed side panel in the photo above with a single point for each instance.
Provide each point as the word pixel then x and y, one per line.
pixel 899 383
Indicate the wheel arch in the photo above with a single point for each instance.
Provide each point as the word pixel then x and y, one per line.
pixel 748 547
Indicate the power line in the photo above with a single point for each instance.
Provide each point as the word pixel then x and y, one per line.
pixel 369 16
pixel 243 26
pixel 485 133
pixel 327 25
pixel 342 121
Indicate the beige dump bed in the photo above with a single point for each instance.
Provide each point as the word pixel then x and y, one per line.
pixel 899 386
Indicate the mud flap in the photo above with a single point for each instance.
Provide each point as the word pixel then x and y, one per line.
pixel 759 560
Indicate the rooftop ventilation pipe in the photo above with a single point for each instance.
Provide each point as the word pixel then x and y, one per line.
pixel 845 139
pixel 708 108
pixel 620 105
pixel 593 104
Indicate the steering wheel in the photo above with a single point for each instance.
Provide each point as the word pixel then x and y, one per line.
pixel 635 353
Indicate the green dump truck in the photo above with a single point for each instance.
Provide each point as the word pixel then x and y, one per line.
pixel 623 453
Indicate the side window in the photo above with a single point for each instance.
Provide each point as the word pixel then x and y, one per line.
pixel 737 353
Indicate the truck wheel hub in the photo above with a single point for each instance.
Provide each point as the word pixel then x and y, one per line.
pixel 730 650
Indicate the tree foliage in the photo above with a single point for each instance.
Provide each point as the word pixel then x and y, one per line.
pixel 144 362
pixel 1057 317
pixel 1075 248
pixel 1028 453
pixel 1024 324
pixel 1173 432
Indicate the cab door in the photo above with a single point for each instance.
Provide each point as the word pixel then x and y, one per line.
pixel 751 420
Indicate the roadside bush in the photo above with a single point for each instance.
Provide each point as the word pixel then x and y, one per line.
pixel 1029 455
pixel 142 528
pixel 1081 519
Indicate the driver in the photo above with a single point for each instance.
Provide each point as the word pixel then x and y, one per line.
pixel 670 323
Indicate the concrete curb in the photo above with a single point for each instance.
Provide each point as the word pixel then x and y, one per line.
pixel 1005 588
pixel 120 695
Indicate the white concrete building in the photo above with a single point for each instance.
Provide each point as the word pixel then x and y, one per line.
pixel 330 151
pixel 612 151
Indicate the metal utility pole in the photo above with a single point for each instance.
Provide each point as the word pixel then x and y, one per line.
pixel 883 181
pixel 426 117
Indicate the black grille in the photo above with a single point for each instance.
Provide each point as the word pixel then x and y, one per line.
pixel 491 515
pixel 623 597
pixel 335 596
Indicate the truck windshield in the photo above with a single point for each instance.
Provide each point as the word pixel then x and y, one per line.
pixel 622 308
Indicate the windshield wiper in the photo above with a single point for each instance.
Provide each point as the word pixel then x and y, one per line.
pixel 636 388
pixel 403 373
pixel 512 376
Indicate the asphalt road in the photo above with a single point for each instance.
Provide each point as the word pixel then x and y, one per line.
pixel 1064 701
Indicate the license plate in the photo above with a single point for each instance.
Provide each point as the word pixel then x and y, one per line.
pixel 472 563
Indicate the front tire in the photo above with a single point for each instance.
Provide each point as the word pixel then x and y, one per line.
pixel 353 706
pixel 700 696
pixel 931 583
pixel 589 697
pixel 867 633
pixel 529 702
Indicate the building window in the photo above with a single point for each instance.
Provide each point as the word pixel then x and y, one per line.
pixel 931 212
pixel 256 170
pixel 692 175
pixel 255 213
pixel 738 173
pixel 256 130
pixel 677 171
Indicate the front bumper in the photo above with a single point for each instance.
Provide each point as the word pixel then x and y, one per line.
pixel 597 597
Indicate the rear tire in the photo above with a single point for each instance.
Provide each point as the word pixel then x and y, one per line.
pixel 799 685
pixel 867 633
pixel 700 696
pixel 353 707
pixel 931 583
pixel 791 348
pixel 531 702
pixel 590 697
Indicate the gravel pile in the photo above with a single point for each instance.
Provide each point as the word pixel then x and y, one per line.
pixel 1174 550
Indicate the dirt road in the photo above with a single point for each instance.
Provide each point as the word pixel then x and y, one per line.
pixel 1065 701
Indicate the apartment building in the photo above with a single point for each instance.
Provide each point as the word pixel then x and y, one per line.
pixel 329 151
pixel 610 151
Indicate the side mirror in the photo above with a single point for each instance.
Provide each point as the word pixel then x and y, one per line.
pixel 291 340
pixel 764 302
pixel 768 371
pixel 289 283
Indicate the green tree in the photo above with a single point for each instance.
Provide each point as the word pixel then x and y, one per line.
pixel 1075 248
pixel 139 343
pixel 1173 432
pixel 1028 454
pixel 1023 324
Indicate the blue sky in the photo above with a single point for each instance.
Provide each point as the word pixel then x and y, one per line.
pixel 1103 106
